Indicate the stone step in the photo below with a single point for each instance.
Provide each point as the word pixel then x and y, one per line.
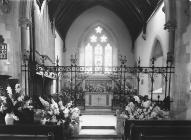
pixel 105 132
pixel 97 111
pixel 98 107
pixel 97 137
pixel 97 127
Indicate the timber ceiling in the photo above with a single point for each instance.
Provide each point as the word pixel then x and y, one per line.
pixel 136 11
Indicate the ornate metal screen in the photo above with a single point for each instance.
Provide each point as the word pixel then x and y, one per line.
pixel 3 48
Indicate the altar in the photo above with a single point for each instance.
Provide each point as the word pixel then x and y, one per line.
pixel 98 91
pixel 98 99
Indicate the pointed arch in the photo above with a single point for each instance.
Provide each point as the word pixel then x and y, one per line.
pixel 98 41
pixel 158 55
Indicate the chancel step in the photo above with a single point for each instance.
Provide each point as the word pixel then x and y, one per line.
pixel 98 127
pixel 97 111
pixel 97 137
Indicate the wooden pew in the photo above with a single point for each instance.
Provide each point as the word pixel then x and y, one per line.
pixel 26 137
pixel 130 125
pixel 164 137
pixel 58 131
pixel 160 132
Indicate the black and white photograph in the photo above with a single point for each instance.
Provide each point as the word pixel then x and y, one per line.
pixel 95 69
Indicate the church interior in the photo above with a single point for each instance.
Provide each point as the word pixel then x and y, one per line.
pixel 95 69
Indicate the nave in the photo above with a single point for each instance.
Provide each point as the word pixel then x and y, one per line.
pixel 95 69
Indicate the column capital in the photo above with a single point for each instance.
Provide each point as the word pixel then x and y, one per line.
pixel 24 22
pixel 170 25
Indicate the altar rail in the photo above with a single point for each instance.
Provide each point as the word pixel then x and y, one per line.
pixel 59 132
pixel 157 130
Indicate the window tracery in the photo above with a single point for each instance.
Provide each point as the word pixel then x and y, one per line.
pixel 98 50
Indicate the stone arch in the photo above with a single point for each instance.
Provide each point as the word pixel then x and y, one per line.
pixel 110 21
pixel 157 54
pixel 157 50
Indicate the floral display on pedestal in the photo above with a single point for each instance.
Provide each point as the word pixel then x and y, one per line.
pixel 12 105
pixel 59 113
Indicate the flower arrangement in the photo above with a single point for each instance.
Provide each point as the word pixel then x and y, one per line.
pixel 57 113
pixel 141 108
pixel 15 103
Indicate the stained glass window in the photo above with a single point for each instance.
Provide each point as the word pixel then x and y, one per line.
pixel 98 51
pixel 88 57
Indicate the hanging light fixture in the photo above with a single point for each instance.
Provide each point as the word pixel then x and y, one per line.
pixel 3 48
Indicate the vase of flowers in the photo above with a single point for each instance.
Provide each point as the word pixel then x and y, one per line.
pixel 14 105
pixel 10 118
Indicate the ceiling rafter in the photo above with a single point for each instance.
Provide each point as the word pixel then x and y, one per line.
pixel 65 12
pixel 137 9
pixel 134 13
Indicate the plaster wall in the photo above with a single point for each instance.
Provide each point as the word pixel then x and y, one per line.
pixel 10 30
pixel 144 48
pixel 59 53
pixel 59 45
pixel 44 35
pixel 99 15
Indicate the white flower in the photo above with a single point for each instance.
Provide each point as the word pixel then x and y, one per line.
pixel 15 117
pixel 3 98
pixel 66 112
pixel 51 112
pixel 131 105
pixel 44 120
pixel 153 114
pixel 141 116
pixel 17 88
pixel 128 108
pixel 54 103
pixel 137 99
pixel 56 111
pixel 20 98
pixel 54 119
pixel 45 103
pixel 146 104
pixel 61 105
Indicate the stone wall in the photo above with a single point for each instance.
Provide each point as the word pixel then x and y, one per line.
pixel 10 30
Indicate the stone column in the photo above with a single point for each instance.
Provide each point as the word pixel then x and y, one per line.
pixel 170 25
pixel 177 18
pixel 24 23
